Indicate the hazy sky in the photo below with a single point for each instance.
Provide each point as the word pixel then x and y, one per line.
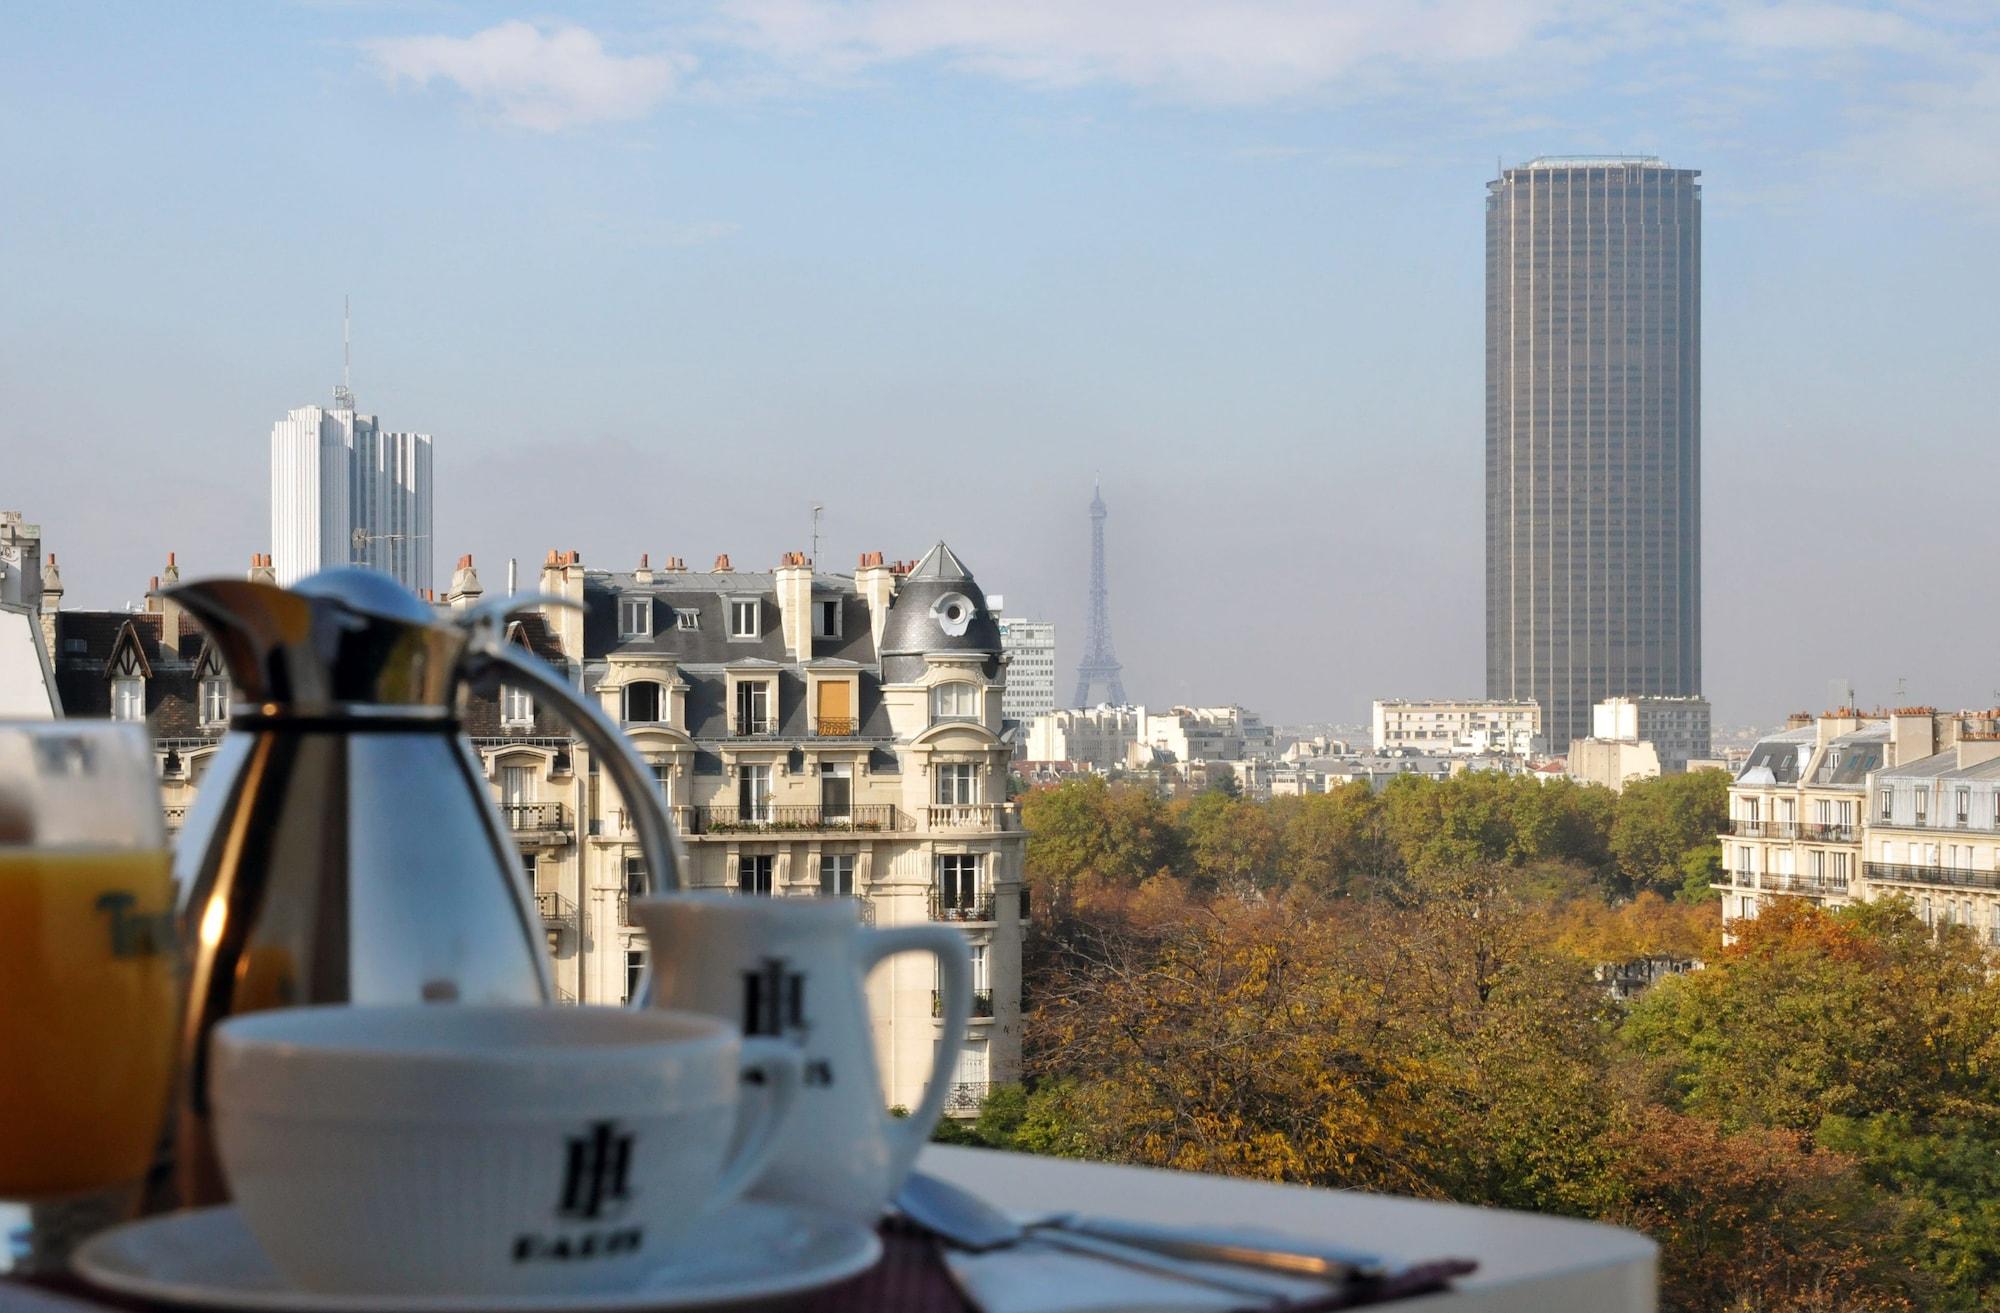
pixel 659 276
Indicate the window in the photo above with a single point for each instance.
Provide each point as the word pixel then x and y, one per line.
pixel 636 883
pixel 517 707
pixel 745 616
pixel 1816 865
pixel 836 874
pixel 1993 923
pixel 753 874
pixel 663 780
pixel 642 703
pixel 753 707
pixel 214 701
pixel 980 982
pixel 968 1078
pixel 957 784
pixel 826 618
pixel 956 700
pixel 753 793
pixel 528 867
pixel 687 619
pixel 517 788
pixel 635 971
pixel 1923 804
pixel 836 791
pixel 128 699
pixel 635 617
pixel 1888 801
pixel 1964 805
pixel 958 882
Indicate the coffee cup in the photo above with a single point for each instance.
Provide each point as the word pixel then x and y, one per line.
pixel 473 1151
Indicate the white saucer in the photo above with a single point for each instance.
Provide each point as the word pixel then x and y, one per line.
pixel 751 1251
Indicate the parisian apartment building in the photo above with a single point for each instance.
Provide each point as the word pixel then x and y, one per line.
pixel 812 734
pixel 1470 727
pixel 1849 806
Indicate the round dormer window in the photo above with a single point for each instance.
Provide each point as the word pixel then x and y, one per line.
pixel 953 612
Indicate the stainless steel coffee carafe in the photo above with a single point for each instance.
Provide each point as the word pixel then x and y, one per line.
pixel 344 846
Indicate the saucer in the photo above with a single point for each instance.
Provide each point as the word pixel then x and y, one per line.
pixel 749 1252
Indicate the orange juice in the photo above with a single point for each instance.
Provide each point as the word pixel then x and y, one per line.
pixel 87 1008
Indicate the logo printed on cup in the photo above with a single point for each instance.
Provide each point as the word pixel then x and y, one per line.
pixel 597 1166
pixel 774 1005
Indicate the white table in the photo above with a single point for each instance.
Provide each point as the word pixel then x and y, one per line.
pixel 1527 1263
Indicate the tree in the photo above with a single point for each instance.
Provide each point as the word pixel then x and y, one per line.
pixel 1332 843
pixel 1664 834
pixel 1086 836
pixel 1230 844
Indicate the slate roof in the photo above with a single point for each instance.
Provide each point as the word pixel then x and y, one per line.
pixel 1779 758
pixel 915 629
pixel 1849 757
pixel 1942 766
pixel 86 641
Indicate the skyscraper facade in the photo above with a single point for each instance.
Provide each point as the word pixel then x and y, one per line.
pixel 1031 671
pixel 343 492
pixel 1593 435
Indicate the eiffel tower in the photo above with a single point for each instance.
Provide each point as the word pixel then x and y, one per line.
pixel 1100 663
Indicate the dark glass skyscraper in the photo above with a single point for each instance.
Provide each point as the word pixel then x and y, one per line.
pixel 1593 435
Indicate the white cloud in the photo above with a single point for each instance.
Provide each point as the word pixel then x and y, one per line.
pixel 545 79
pixel 1248 51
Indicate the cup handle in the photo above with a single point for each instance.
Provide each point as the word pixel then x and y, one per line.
pixel 776 1065
pixel 907 1135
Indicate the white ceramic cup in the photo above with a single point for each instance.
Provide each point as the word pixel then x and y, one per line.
pixel 476 1151
pixel 794 969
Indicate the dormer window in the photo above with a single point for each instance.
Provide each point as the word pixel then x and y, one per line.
pixel 128 698
pixel 642 703
pixel 745 617
pixel 517 707
pixel 689 619
pixel 214 701
pixel 957 700
pixel 635 617
pixel 826 618
pixel 953 613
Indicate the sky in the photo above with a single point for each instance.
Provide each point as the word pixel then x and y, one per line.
pixel 658 277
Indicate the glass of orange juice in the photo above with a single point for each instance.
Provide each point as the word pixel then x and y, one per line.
pixel 88 981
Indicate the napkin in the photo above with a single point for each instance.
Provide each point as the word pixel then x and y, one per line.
pixel 1037 1277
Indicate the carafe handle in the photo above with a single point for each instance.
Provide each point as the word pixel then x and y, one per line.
pixel 489 655
pixel 906 1135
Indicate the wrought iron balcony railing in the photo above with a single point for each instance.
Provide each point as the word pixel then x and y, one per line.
pixel 1764 829
pixel 555 909
pixel 959 905
pixel 836 727
pixel 536 817
pixel 982 1003
pixel 753 727
pixel 771 818
pixel 1828 832
pixel 965 1097
pixel 1957 877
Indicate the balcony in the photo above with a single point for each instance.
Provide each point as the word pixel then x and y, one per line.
pixel 961 906
pixel 1954 876
pixel 836 727
pixel 1764 829
pixel 556 911
pixel 868 818
pixel 1818 832
pixel 1821 886
pixel 967 815
pixel 755 727
pixel 982 1003
pixel 537 822
pixel 965 1097
pixel 1746 879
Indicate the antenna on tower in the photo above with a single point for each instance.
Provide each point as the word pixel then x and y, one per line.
pixel 817 508
pixel 343 396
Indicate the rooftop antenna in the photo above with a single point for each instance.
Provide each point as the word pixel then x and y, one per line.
pixel 343 396
pixel 817 508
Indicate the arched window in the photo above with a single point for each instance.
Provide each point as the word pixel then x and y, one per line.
pixel 957 700
pixel 642 702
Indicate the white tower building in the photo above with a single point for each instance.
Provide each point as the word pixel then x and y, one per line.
pixel 345 493
pixel 1031 674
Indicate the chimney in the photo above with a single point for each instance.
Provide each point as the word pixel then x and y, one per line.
pixel 676 565
pixel 644 574
pixel 794 578
pixel 722 564
pixel 52 594
pixel 513 575
pixel 261 571
pixel 465 586
pixel 1912 735
pixel 1975 749
pixel 562 574
pixel 876 585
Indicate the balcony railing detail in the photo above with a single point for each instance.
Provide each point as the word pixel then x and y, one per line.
pixel 967 815
pixel 1955 876
pixel 1746 879
pixel 1764 829
pixel 536 817
pixel 1828 832
pixel 771 818
pixel 960 906
pixel 1816 885
pixel 555 909
pixel 755 727
pixel 982 1003
pixel 836 727
pixel 176 817
pixel 966 1096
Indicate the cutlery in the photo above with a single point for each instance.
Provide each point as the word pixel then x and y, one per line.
pixel 969 1222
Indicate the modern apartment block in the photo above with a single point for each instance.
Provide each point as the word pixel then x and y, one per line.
pixel 1677 727
pixel 1474 728
pixel 1852 806
pixel 1593 435
pixel 1030 646
pixel 813 735
pixel 344 492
